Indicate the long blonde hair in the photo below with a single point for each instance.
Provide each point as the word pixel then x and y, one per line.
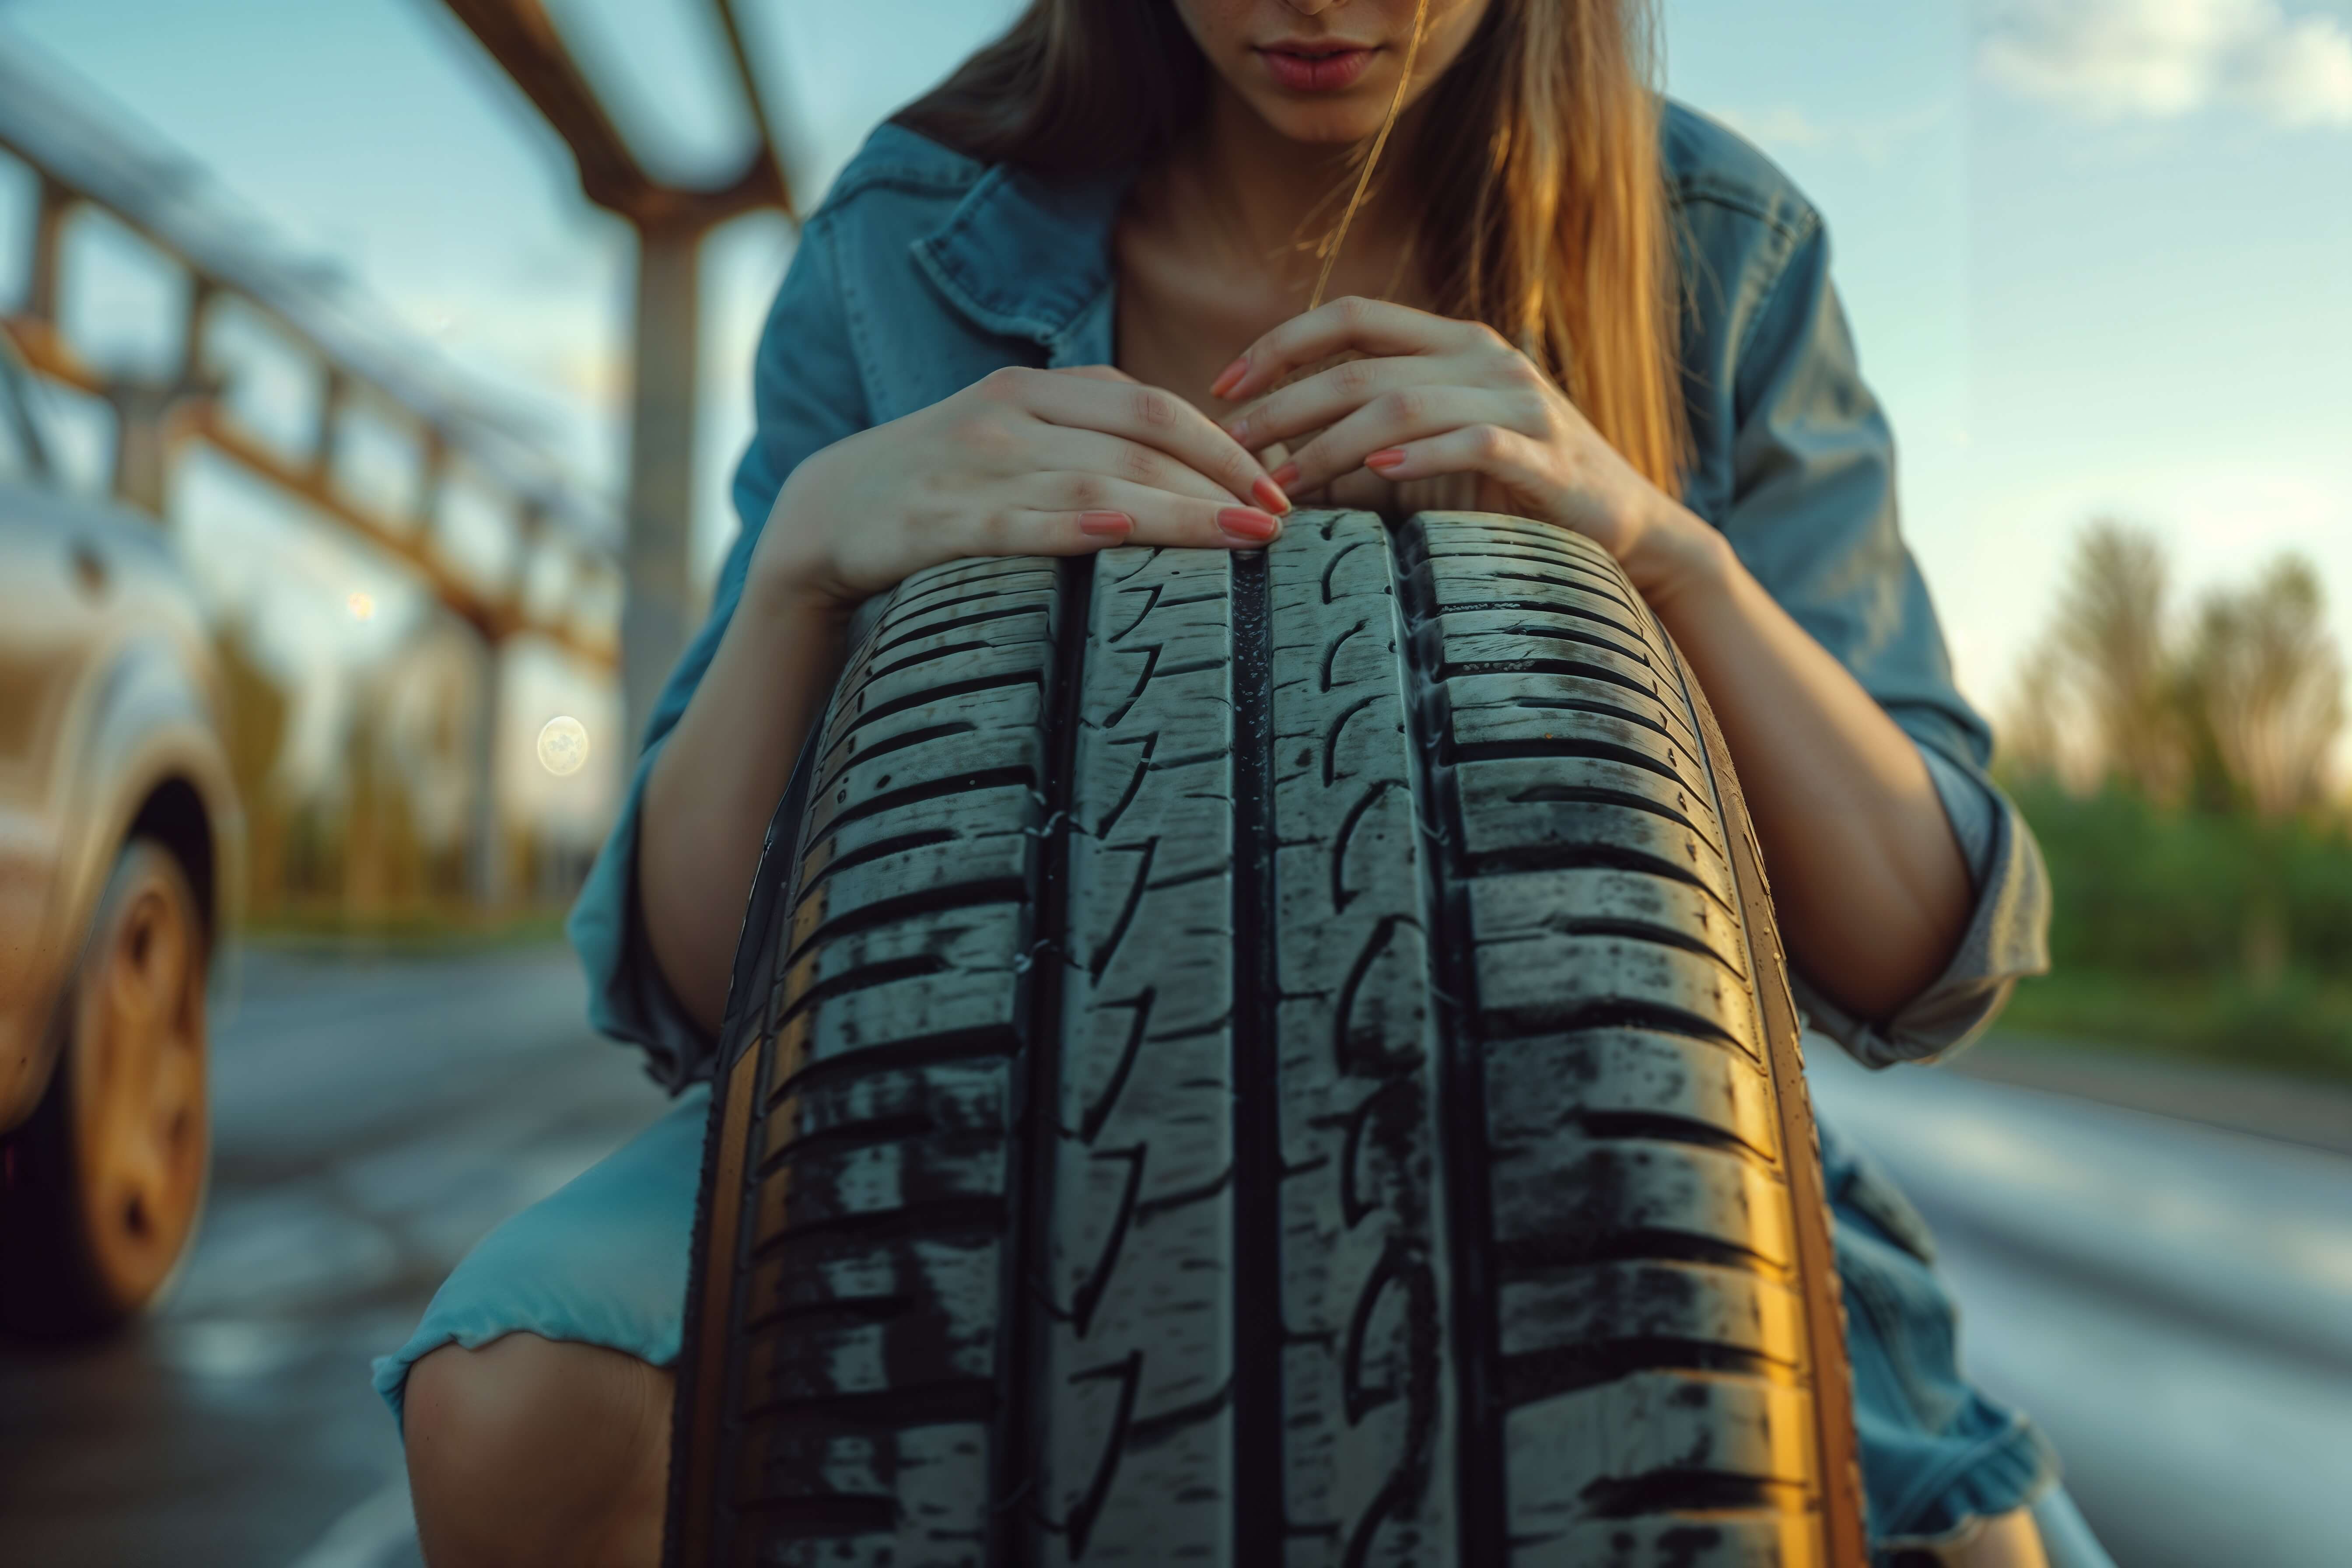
pixel 1536 166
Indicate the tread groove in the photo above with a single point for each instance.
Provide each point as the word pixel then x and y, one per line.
pixel 1479 1451
pixel 1256 1172
pixel 1016 1454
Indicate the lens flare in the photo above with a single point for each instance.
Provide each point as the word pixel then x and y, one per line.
pixel 360 606
pixel 563 745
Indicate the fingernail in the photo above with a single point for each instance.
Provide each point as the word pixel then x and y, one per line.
pixel 1269 496
pixel 1287 475
pixel 1110 522
pixel 1229 376
pixel 1248 522
pixel 1386 458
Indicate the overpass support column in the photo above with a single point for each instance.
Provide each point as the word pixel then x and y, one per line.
pixel 486 843
pixel 655 616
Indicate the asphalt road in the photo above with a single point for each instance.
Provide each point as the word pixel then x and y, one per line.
pixel 2174 1301
pixel 370 1122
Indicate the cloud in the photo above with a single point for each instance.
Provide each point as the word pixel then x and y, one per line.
pixel 2114 59
pixel 1784 127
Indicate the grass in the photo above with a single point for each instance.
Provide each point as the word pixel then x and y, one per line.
pixel 2301 1025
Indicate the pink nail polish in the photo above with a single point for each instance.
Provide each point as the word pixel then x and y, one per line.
pixel 1269 496
pixel 1287 475
pixel 1248 522
pixel 1386 458
pixel 1229 376
pixel 1105 522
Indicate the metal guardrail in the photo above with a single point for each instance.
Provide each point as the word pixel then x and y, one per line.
pixel 80 160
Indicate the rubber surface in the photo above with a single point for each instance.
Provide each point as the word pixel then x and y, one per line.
pixel 1260 1061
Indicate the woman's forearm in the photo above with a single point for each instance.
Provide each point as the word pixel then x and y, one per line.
pixel 717 782
pixel 1868 881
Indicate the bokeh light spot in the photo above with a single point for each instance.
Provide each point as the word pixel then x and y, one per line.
pixel 563 745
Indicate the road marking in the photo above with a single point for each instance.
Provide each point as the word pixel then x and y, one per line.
pixel 367 1531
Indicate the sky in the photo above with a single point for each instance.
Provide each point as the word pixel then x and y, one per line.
pixel 2097 254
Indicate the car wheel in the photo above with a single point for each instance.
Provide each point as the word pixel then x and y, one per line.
pixel 105 1179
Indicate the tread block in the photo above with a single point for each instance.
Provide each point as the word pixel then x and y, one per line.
pixel 1536 984
pixel 1136 1271
pixel 1562 1198
pixel 828 1185
pixel 1574 1309
pixel 796 1360
pixel 1613 1080
pixel 1537 731
pixel 1560 631
pixel 1026 621
pixel 1479 529
pixel 1486 787
pixel 959 1101
pixel 1692 1537
pixel 1620 1448
pixel 1365 1295
pixel 1579 834
pixel 926 689
pixel 905 780
pixel 1569 675
pixel 932 1480
pixel 1537 906
pixel 838 1272
pixel 908 733
pixel 1458 591
pixel 1570 694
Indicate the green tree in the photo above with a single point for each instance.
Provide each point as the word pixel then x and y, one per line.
pixel 2264 680
pixel 2109 645
pixel 258 709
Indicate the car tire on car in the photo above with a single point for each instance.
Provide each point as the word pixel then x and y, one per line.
pixel 104 1183
pixel 1268 1058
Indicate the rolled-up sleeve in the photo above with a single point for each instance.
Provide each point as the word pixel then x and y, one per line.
pixel 1811 513
pixel 807 394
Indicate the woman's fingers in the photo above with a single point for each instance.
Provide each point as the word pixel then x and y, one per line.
pixel 1061 449
pixel 1395 419
pixel 1088 500
pixel 1147 416
pixel 1370 326
pixel 1486 450
pixel 1318 401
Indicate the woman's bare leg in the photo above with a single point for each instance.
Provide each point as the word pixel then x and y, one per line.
pixel 530 1452
pixel 2012 1540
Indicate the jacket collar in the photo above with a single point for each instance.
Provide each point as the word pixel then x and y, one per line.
pixel 1028 257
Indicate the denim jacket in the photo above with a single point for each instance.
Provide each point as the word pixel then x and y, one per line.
pixel 923 270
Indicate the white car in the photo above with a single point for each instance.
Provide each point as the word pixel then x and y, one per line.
pixel 120 844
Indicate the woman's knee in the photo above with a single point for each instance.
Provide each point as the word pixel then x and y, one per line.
pixel 2010 1540
pixel 530 1450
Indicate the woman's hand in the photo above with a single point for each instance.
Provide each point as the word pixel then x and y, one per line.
pixel 1022 462
pixel 1434 398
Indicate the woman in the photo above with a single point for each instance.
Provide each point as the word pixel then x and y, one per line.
pixel 1558 298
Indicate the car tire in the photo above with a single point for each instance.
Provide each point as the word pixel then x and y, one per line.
pixel 105 1179
pixel 1265 1058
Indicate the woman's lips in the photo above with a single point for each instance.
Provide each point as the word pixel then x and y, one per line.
pixel 1320 69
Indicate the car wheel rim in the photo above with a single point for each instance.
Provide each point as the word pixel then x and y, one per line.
pixel 141 1064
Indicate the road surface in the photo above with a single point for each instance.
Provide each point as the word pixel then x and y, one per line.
pixel 370 1122
pixel 2173 1300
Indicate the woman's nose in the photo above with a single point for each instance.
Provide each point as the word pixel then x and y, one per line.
pixel 1313 7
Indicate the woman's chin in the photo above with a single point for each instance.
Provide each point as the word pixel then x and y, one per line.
pixel 1323 124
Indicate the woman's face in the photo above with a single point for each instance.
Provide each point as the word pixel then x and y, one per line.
pixel 1324 70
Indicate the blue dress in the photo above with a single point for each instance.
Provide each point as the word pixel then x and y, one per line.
pixel 923 272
